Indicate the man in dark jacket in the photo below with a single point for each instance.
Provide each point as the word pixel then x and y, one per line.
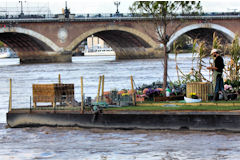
pixel 217 74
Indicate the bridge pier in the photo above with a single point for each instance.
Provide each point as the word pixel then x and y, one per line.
pixel 138 53
pixel 28 57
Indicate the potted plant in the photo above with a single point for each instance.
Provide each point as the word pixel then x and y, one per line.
pixel 194 98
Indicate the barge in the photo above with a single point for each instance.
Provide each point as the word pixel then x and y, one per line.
pixel 65 112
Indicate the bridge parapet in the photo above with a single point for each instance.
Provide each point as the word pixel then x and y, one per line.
pixel 110 16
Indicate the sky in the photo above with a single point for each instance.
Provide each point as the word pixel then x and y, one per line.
pixel 106 6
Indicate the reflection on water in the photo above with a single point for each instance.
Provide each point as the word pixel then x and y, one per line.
pixel 88 144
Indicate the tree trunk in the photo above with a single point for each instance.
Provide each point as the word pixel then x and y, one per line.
pixel 165 68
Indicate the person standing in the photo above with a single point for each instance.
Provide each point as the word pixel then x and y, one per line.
pixel 217 74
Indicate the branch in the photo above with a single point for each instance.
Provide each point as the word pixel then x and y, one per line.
pixel 159 31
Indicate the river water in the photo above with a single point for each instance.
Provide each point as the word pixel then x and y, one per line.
pixel 88 144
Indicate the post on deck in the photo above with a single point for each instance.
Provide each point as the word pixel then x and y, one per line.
pixel 10 95
pixel 99 86
pixel 82 103
pixel 133 92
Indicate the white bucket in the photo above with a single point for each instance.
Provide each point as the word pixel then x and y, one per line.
pixel 191 100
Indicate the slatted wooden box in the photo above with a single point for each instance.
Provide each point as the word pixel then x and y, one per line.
pixel 52 93
pixel 202 89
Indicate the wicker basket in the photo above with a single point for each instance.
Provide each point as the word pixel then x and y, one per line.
pixel 202 89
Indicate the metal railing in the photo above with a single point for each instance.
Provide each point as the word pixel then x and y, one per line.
pixel 114 15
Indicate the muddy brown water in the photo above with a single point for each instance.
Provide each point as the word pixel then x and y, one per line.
pixel 91 144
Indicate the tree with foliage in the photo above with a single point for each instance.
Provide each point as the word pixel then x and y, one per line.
pixel 162 13
pixel 1 44
pixel 201 50
pixel 175 51
pixel 183 41
pixel 216 42
pixel 234 50
pixel 198 54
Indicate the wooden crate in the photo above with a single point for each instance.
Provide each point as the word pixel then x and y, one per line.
pixel 52 93
pixel 202 89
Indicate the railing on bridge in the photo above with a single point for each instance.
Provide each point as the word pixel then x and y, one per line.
pixel 107 15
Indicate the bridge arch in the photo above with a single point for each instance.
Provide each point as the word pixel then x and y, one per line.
pixel 226 32
pixel 18 37
pixel 116 36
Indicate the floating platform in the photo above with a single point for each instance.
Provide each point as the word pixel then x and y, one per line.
pixel 173 120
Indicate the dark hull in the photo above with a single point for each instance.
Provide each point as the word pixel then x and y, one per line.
pixel 135 120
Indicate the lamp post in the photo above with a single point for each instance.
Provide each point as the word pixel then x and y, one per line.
pixel 66 11
pixel 21 14
pixel 117 3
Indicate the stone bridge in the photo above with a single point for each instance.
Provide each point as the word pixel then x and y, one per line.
pixel 54 39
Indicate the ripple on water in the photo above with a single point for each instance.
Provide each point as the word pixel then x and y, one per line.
pixel 62 143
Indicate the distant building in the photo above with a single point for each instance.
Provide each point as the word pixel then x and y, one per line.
pixel 94 43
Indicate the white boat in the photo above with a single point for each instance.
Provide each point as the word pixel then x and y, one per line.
pixel 100 52
pixel 191 100
pixel 4 53
pixel 7 53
